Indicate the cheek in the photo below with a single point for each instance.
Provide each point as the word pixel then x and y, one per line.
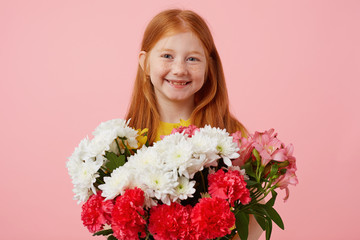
pixel 159 69
pixel 198 71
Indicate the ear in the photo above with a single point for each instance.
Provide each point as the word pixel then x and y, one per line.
pixel 142 56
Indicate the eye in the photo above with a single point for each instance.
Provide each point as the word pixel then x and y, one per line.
pixel 192 59
pixel 167 56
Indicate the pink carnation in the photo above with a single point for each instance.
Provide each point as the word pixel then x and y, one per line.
pixel 96 212
pixel 169 222
pixel 190 130
pixel 127 220
pixel 212 218
pixel 269 147
pixel 245 145
pixel 230 185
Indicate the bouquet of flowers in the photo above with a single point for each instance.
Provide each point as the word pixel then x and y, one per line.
pixel 197 183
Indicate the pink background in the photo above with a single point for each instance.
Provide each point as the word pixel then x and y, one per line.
pixel 65 66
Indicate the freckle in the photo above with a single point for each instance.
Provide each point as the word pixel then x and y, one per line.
pixel 196 68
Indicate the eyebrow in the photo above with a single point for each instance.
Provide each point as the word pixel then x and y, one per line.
pixel 170 50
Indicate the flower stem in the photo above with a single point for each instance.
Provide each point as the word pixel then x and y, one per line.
pixel 117 144
pixel 203 181
pixel 100 181
pixel 127 151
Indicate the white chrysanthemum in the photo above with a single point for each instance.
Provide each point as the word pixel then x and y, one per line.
pixel 84 178
pixel 81 194
pixel 101 143
pixel 225 146
pixel 198 162
pixel 184 189
pixel 141 164
pixel 203 144
pixel 160 184
pixel 178 157
pixel 88 157
pixel 114 147
pixel 87 174
pixel 109 126
pixel 83 169
pixel 170 140
pixel 81 152
pixel 144 158
pixel 117 128
pixel 73 166
pixel 149 202
pixel 119 180
pixel 228 150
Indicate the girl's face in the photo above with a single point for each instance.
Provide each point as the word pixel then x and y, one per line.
pixel 177 66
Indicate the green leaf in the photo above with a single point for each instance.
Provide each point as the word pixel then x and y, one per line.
pixel 261 221
pixel 249 169
pixel 271 202
pixel 273 214
pixel 268 228
pixel 111 237
pixel 114 161
pixel 242 225
pixel 273 170
pixel 103 232
pixel 259 208
pixel 250 183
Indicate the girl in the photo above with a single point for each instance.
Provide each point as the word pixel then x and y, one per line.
pixel 180 80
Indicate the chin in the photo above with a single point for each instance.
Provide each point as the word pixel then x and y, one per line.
pixel 180 99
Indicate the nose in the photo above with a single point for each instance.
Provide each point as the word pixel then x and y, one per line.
pixel 179 67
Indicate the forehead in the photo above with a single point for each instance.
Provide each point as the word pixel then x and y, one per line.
pixel 180 41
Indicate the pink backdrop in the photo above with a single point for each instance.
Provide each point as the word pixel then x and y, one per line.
pixel 65 66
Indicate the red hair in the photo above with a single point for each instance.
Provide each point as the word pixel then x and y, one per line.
pixel 211 101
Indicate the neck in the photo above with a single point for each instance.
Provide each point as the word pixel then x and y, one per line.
pixel 172 112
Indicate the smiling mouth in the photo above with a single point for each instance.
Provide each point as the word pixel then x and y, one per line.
pixel 178 83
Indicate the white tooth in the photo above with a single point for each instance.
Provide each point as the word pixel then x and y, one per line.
pixel 178 83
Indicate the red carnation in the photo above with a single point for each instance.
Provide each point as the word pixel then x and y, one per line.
pixel 212 218
pixel 127 220
pixel 96 212
pixel 230 185
pixel 169 222
pixel 193 234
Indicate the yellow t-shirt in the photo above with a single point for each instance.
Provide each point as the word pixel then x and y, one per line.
pixel 166 128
